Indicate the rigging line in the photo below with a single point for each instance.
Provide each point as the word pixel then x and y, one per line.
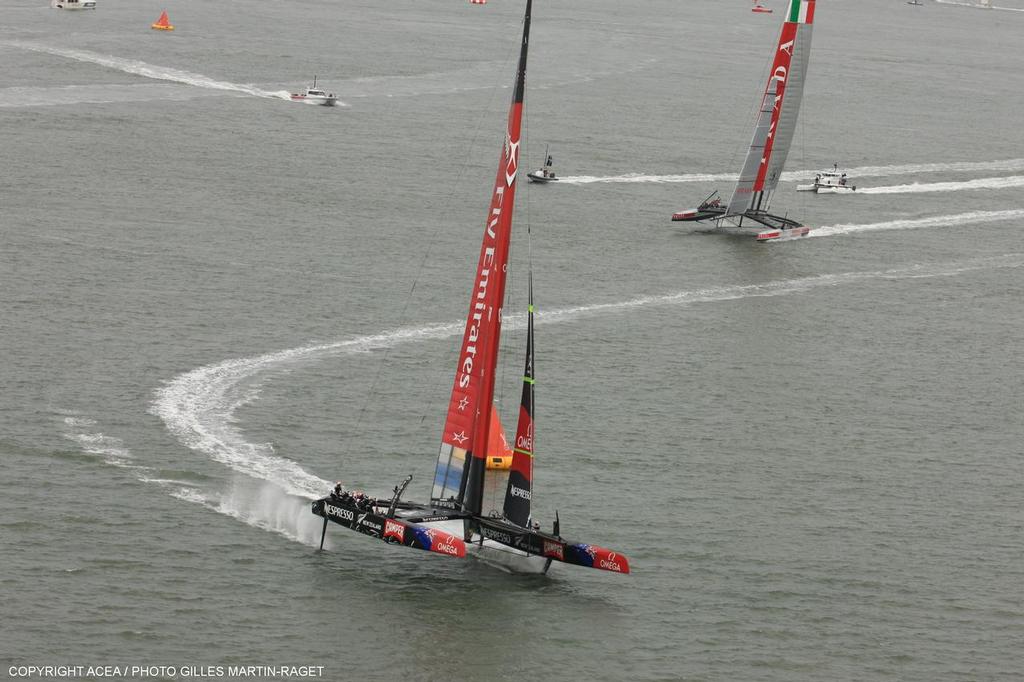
pixel 443 211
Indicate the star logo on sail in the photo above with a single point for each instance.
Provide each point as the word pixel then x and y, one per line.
pixel 460 437
pixel 512 154
pixel 463 403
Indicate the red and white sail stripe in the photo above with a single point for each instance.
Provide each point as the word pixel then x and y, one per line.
pixel 469 409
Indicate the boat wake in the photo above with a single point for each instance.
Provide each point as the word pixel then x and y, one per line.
pixel 199 407
pixel 1009 165
pixel 24 96
pixel 978 5
pixel 957 220
pixel 141 68
pixel 918 187
pixel 261 504
pixel 273 493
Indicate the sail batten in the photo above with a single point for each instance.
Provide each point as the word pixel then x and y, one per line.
pixel 468 422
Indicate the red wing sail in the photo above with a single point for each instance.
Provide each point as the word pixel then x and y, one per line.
pixel 468 421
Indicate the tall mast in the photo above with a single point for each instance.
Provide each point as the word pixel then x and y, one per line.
pixel 459 476
pixel 780 106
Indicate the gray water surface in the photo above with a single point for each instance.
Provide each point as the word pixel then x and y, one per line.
pixel 216 302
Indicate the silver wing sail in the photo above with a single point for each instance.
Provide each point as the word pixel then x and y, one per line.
pixel 744 190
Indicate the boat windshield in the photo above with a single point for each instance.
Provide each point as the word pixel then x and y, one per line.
pixel 321 93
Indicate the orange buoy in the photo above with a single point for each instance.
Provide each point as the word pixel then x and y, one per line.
pixel 163 23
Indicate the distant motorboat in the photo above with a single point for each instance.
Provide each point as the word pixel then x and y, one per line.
pixel 758 7
pixel 73 4
pixel 315 95
pixel 545 174
pixel 829 182
pixel 914 2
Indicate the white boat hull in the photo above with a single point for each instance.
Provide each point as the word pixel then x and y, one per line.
pixel 758 232
pixel 322 101
pixel 826 189
pixel 538 176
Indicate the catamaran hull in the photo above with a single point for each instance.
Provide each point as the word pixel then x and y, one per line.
pixel 758 232
pixel 493 553
pixel 395 531
pixel 782 235
pixel 698 214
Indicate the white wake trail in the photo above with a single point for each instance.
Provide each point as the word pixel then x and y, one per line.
pixel 141 68
pixel 918 187
pixel 978 5
pixel 1007 165
pixel 960 219
pixel 199 406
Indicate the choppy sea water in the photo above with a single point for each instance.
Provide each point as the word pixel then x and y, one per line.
pixel 216 302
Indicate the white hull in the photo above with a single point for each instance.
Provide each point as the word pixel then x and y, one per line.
pixel 493 553
pixel 760 232
pixel 322 101
pixel 827 189
pixel 829 182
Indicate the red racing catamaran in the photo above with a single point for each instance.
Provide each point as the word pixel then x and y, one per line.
pixel 455 522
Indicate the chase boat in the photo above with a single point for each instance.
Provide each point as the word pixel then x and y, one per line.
pixel 829 182
pixel 545 174
pixel 315 95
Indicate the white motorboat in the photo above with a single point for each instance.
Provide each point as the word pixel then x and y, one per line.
pixel 545 174
pixel 829 182
pixel 73 4
pixel 315 95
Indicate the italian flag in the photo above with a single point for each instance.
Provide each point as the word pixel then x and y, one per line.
pixel 801 11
